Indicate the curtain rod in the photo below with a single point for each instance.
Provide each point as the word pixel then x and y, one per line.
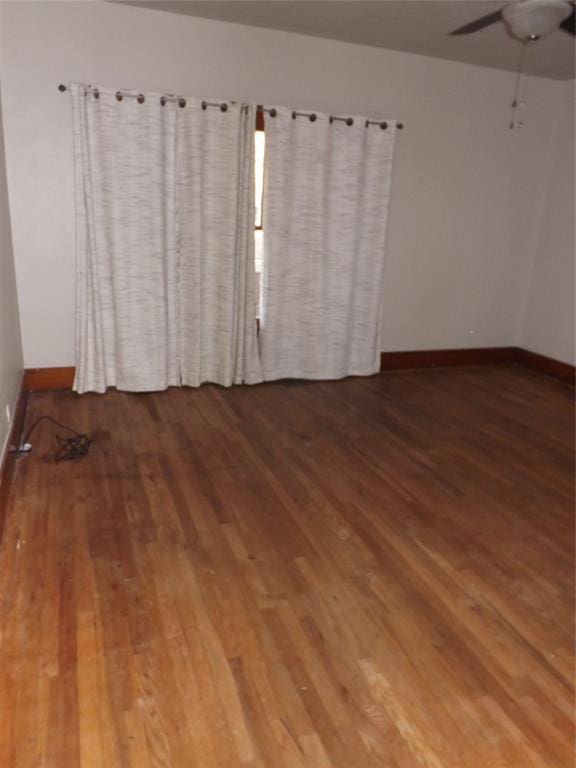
pixel 312 116
pixel 223 106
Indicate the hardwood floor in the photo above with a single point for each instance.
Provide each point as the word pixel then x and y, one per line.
pixel 373 572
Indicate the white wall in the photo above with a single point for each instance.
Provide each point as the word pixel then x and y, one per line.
pixel 461 235
pixel 548 318
pixel 10 345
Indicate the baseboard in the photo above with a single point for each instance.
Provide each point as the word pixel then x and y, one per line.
pixel 446 358
pixel 7 461
pixel 461 358
pixel 40 379
pixel 554 368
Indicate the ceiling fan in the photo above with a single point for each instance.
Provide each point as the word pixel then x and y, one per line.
pixel 528 19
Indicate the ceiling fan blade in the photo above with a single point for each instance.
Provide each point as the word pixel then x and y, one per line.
pixel 569 24
pixel 476 26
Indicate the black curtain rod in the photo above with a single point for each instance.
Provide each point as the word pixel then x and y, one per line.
pixel 223 106
pixel 140 97
pixel 312 116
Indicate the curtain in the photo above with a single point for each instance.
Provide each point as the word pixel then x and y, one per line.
pixel 217 271
pixel 127 250
pixel 326 192
pixel 165 247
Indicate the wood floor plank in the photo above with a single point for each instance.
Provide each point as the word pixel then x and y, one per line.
pixel 355 574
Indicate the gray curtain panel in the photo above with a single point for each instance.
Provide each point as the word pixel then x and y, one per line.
pixel 217 270
pixel 326 194
pixel 127 250
pixel 165 249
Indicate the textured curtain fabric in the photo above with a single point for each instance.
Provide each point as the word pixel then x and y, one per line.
pixel 326 192
pixel 165 243
pixel 127 250
pixel 217 271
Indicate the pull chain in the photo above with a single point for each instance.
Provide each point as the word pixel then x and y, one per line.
pixel 517 101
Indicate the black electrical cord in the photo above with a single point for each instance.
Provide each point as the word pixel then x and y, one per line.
pixel 70 448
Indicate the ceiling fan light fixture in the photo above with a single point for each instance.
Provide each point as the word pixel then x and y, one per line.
pixel 531 19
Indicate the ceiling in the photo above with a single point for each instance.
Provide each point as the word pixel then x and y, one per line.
pixel 414 26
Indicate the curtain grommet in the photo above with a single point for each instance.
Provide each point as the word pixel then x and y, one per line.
pixel 273 112
pixel 293 115
pixel 313 117
pixel 331 120
pixel 162 101
pixel 181 103
pixel 119 95
pixel 400 126
pixel 223 107
pixel 96 93
pixel 383 125
pixel 204 105
pixel 141 98
pixel 61 87
pixel 350 121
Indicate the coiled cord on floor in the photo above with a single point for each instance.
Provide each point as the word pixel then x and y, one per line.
pixel 72 448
